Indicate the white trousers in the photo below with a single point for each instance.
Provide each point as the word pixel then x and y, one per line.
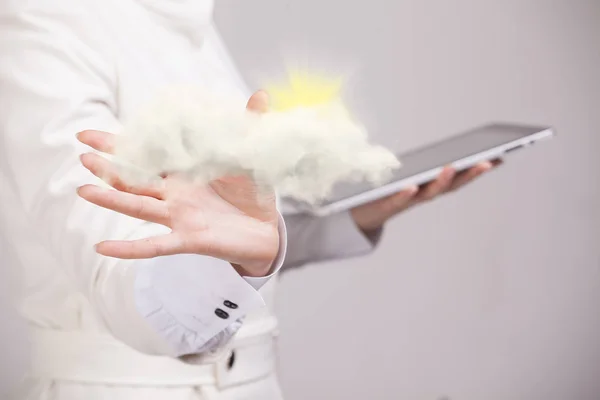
pixel 93 366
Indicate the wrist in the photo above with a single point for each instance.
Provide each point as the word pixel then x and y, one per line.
pixel 265 251
pixel 366 222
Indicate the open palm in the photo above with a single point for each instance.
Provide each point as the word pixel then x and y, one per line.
pixel 229 218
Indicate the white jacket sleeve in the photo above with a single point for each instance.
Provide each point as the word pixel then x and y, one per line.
pixel 310 239
pixel 53 84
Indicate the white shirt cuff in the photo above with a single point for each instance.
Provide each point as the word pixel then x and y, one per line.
pixel 189 299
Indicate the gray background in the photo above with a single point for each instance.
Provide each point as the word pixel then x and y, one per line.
pixel 492 293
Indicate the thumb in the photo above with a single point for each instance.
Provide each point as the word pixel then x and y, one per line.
pixel 258 102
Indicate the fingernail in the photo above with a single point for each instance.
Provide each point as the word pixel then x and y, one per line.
pixel 80 189
pixel 97 248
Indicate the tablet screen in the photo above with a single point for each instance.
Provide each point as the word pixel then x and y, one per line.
pixel 442 153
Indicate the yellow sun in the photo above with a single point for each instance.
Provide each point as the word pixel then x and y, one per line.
pixel 303 90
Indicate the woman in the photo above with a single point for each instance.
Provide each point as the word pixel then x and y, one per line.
pixel 143 292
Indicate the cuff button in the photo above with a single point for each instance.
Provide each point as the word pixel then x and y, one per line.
pixel 230 304
pixel 221 314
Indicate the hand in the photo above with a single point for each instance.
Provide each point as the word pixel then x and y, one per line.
pixel 230 218
pixel 370 217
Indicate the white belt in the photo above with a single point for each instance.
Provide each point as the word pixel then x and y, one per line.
pixel 95 358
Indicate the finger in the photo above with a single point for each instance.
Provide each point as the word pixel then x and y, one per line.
pixel 258 102
pixel 107 171
pixel 151 247
pixel 244 192
pixel 136 206
pixel 469 175
pixel 223 244
pixel 400 201
pixel 438 186
pixel 99 140
pixel 390 204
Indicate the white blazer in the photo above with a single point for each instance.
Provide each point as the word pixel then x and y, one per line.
pixel 73 65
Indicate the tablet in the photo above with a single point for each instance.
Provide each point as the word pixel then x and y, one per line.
pixel 424 164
